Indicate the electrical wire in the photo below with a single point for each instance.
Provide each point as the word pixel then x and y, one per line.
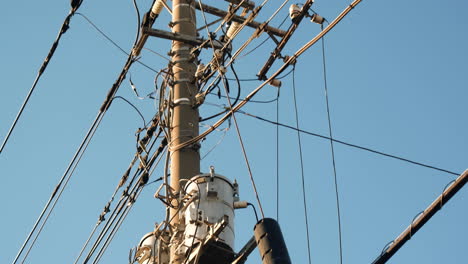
pixel 285 65
pixel 245 157
pixel 352 145
pixel 264 41
pixel 76 158
pixel 137 11
pixel 277 159
pixel 53 199
pixel 75 5
pixel 112 41
pixel 304 200
pixel 133 106
pixel 117 212
pixel 332 150
pixel 254 210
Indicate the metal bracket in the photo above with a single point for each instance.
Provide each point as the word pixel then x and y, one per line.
pixel 178 37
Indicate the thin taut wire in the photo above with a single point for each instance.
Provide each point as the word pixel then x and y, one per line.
pixel 332 150
pixel 302 164
pixel 244 153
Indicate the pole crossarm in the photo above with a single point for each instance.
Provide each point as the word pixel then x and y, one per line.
pixel 422 219
pixel 179 37
pixel 277 52
pixel 285 65
pixel 253 24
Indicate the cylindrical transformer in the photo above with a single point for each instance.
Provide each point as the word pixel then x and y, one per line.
pixel 215 203
pixel 148 250
pixel 270 242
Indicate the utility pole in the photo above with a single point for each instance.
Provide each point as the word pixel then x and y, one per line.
pixel 185 162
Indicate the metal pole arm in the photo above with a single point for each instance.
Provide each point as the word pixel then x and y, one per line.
pixel 430 211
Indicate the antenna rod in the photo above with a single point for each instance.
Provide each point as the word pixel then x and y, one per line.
pixel 183 124
pixel 420 220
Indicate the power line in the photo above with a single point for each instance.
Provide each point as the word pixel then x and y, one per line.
pixel 304 200
pixel 75 4
pixel 277 160
pixel 352 145
pixel 285 65
pixel 133 106
pixel 332 150
pixel 112 41
pixel 75 160
pixel 245 156
pixel 58 189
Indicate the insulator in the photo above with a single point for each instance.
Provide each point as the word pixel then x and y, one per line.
pixel 240 204
pixel 232 29
pixel 275 83
pixel 200 70
pixel 270 242
pixel 157 8
pixel 317 19
pixel 294 11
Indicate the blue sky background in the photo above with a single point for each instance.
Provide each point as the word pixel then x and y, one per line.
pixel 397 78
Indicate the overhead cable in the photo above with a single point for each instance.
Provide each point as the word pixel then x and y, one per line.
pixel 113 42
pixel 353 145
pixel 301 160
pixel 57 192
pixel 254 186
pixel 75 4
pixel 337 197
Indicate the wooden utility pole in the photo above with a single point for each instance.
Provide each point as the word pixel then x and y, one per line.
pixel 185 162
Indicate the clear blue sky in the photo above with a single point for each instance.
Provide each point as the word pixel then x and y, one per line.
pixel 397 75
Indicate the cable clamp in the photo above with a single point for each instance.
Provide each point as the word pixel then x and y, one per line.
pixel 181 101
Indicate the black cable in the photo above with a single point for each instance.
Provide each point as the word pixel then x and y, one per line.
pixel 351 145
pixel 247 163
pixel 117 211
pixel 76 158
pixel 304 200
pixel 256 79
pixel 251 101
pixel 265 40
pixel 332 150
pixel 60 187
pixel 112 41
pixel 277 160
pixel 137 11
pixel 102 33
pixel 254 210
pixel 75 4
pixel 134 107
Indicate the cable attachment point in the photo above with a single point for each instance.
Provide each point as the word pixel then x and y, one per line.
pixel 290 60
pixel 275 83
pixel 318 19
pixel 199 99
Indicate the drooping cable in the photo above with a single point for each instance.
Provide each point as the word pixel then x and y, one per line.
pixel 75 160
pixel 134 107
pixel 112 41
pixel 263 42
pixel 245 156
pixel 285 65
pixel 130 193
pixel 351 144
pixel 57 192
pixel 304 200
pixel 75 4
pixel 332 150
pixel 277 159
